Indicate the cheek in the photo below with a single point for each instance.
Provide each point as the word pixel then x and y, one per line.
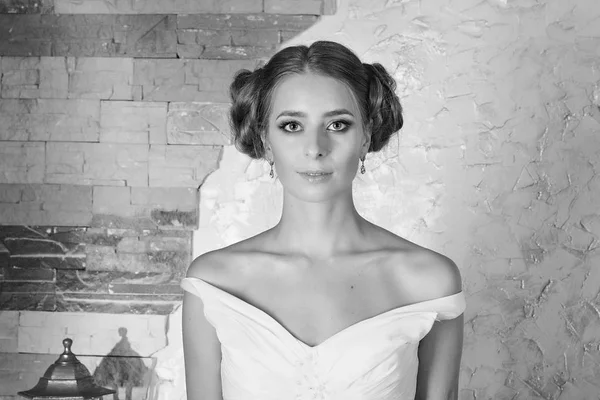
pixel 351 164
pixel 351 148
pixel 347 157
pixel 283 152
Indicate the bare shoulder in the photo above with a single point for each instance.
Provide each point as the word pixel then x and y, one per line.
pixel 209 266
pixel 221 265
pixel 422 273
pixel 438 274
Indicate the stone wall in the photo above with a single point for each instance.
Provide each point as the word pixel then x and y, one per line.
pixel 112 114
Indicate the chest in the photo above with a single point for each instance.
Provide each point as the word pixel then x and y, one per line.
pixel 315 305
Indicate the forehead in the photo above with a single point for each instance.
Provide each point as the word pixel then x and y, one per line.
pixel 313 93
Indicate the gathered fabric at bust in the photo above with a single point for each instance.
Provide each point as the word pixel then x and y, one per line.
pixel 374 359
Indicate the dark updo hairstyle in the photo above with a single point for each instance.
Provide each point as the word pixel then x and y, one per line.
pixel 372 86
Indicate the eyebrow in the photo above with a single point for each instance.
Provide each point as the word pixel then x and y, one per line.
pixel 339 111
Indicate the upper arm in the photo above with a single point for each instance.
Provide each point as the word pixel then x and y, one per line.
pixel 201 346
pixel 440 350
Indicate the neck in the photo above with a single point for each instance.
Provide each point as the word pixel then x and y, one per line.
pixel 319 230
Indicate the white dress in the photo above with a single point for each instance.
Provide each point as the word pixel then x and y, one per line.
pixel 374 359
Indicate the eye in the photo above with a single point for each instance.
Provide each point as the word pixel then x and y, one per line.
pixel 290 126
pixel 339 126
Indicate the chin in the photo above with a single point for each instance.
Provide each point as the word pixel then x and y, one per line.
pixel 316 193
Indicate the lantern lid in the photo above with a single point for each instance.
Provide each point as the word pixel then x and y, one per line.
pixel 67 378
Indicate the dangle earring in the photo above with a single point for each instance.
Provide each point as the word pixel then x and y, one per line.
pixel 362 165
pixel 271 173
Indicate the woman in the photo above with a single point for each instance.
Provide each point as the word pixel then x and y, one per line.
pixel 325 304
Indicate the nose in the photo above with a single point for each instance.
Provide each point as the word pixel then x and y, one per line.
pixel 317 143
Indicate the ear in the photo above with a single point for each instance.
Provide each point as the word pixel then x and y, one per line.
pixel 268 149
pixel 366 143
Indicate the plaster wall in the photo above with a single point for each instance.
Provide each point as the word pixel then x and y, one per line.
pixel 496 167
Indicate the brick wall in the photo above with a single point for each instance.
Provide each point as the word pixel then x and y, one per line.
pixel 112 114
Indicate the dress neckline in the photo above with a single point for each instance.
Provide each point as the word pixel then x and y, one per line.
pixel 336 335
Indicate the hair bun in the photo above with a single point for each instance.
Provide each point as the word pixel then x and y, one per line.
pixel 244 114
pixel 385 110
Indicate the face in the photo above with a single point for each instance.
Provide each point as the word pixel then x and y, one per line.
pixel 315 136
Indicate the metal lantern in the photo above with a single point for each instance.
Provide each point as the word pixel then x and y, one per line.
pixel 66 379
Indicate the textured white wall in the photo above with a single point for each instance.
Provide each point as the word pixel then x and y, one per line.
pixel 496 167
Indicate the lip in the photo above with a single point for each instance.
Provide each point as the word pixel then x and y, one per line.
pixel 315 172
pixel 316 176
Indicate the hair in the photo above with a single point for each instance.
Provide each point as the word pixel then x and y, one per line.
pixel 251 92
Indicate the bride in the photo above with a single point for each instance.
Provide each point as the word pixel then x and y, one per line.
pixel 325 304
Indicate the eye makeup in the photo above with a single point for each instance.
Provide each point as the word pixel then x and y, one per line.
pixel 284 125
pixel 347 124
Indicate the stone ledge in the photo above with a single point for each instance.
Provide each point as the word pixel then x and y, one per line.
pixel 119 283
pixel 133 288
pixel 117 304
pixel 148 304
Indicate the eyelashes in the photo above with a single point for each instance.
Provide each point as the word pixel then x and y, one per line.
pixel 287 126
pixel 335 126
